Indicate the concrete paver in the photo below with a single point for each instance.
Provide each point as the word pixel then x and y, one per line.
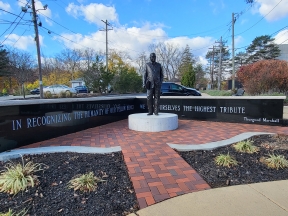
pixel 233 200
pixel 276 191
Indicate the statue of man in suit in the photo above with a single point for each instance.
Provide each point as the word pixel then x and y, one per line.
pixel 152 81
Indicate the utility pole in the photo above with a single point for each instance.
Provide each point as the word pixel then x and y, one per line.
pixel 212 69
pixel 106 29
pixel 220 63
pixel 37 46
pixel 233 53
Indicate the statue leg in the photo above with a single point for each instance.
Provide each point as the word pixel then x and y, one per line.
pixel 157 99
pixel 150 101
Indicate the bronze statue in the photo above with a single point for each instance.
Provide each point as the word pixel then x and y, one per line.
pixel 152 81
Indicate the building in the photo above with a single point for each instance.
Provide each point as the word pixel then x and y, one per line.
pixel 77 82
pixel 284 52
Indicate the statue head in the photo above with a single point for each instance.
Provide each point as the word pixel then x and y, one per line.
pixel 152 57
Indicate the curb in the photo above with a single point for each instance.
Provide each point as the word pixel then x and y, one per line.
pixel 213 145
pixel 4 156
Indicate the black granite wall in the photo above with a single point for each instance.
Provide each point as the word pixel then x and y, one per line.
pixel 26 124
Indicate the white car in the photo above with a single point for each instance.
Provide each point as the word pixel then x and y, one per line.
pixel 56 89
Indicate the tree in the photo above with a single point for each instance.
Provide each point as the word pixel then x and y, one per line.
pixel 187 60
pixel 21 67
pixel 93 75
pixel 200 81
pixel 262 48
pixel 70 60
pixel 169 56
pixel 264 76
pixel 225 66
pixel 188 78
pixel 141 61
pixel 4 62
pixel 126 79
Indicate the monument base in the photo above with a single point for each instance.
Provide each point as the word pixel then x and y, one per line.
pixel 153 123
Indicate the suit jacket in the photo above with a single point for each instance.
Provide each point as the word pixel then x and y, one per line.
pixel 154 74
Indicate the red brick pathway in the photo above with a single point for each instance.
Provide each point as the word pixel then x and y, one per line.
pixel 157 171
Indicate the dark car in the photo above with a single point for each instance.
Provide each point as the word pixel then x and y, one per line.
pixel 173 89
pixel 81 89
pixel 35 91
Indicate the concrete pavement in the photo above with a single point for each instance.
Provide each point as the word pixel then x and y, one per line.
pixel 268 198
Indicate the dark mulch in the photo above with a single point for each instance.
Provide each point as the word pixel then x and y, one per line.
pixel 52 196
pixel 249 170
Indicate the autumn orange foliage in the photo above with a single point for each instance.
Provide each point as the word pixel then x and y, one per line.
pixel 264 76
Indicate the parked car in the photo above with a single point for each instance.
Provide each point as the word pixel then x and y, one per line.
pixel 35 91
pixel 81 89
pixel 173 89
pixel 56 89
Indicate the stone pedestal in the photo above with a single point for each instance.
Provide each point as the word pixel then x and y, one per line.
pixel 152 123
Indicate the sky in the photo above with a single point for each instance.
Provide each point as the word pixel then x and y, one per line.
pixel 136 24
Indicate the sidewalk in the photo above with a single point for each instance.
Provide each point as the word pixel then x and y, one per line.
pixel 269 198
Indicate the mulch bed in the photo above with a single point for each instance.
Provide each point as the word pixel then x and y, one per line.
pixel 116 196
pixel 249 169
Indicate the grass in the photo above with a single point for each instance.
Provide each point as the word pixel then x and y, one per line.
pixel 17 177
pixel 225 160
pixel 246 147
pixel 86 182
pixel 275 161
pixel 218 92
pixel 11 213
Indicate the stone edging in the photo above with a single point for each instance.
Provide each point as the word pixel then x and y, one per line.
pixel 213 145
pixel 4 156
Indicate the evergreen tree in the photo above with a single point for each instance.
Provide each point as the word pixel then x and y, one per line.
pixel 96 77
pixel 186 61
pixel 189 77
pixel 4 62
pixel 262 48
pixel 201 81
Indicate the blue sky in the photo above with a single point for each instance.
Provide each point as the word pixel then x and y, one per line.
pixel 138 23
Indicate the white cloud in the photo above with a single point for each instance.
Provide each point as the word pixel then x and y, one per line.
pixel 22 42
pixel 5 6
pixel 265 6
pixel 282 37
pixel 135 40
pixel 198 45
pixel 238 40
pixel 39 5
pixel 93 12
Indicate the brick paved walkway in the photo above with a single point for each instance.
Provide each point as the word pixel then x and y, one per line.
pixel 157 171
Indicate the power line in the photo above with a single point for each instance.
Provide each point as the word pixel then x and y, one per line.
pixel 260 19
pixel 12 29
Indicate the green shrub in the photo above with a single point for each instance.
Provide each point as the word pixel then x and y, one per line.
pixel 86 182
pixel 225 160
pixel 17 177
pixel 246 147
pixel 275 161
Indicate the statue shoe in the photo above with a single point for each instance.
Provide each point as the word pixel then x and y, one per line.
pixel 150 114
